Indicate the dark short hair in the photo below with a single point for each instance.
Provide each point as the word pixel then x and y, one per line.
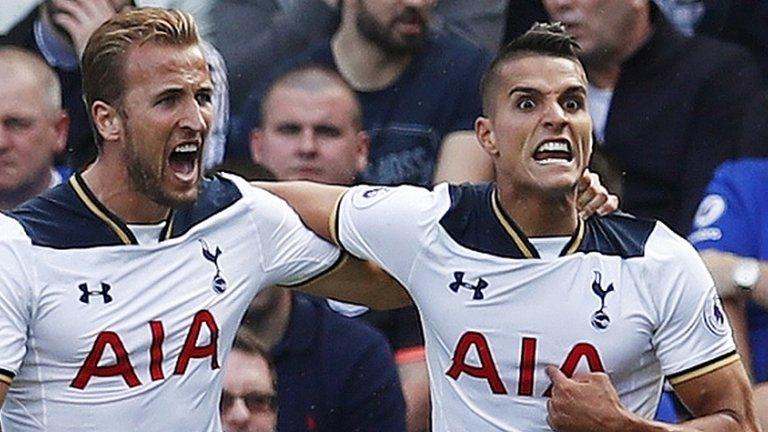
pixel 546 39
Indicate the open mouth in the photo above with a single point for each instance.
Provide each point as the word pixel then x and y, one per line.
pixel 411 22
pixel 184 160
pixel 554 151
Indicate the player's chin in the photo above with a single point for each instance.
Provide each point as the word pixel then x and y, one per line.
pixel 561 183
pixel 179 196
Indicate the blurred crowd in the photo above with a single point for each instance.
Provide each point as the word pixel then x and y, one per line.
pixel 387 92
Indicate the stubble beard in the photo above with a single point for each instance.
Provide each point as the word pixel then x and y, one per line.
pixel 381 36
pixel 148 180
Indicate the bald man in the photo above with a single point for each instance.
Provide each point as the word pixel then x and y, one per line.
pixel 33 127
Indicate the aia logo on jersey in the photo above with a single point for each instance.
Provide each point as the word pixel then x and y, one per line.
pixel 477 288
pixel 600 319
pixel 219 285
pixel 87 293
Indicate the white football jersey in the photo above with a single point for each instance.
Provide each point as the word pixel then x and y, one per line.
pixel 626 297
pixel 100 333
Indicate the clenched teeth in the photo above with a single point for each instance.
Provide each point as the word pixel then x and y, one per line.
pixel 554 146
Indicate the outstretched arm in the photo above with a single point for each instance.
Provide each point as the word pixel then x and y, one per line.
pixel 352 281
pixel 314 202
pixel 359 282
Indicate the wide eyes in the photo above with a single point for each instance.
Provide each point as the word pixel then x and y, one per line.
pixel 526 104
pixel 569 104
pixel 572 104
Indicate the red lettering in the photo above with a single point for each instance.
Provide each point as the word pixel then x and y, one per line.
pixel 579 351
pixel 91 366
pixel 156 351
pixel 527 367
pixel 191 350
pixel 487 369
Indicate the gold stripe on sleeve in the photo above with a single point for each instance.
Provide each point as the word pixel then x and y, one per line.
pixel 333 220
pixel 704 369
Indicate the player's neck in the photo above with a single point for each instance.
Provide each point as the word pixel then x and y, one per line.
pixel 363 64
pixel 538 214
pixel 112 187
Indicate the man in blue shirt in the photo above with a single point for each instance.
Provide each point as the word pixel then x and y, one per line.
pixel 418 87
pixel 730 230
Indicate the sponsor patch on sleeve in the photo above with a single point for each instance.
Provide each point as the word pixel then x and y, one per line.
pixel 714 316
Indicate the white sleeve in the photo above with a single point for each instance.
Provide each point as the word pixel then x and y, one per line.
pixel 17 285
pixel 291 254
pixel 390 225
pixel 693 336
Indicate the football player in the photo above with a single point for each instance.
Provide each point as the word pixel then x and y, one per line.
pixel 536 319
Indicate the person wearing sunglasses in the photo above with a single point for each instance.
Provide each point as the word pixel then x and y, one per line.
pixel 249 393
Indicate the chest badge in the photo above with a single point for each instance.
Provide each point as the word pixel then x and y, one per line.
pixel 219 285
pixel 600 319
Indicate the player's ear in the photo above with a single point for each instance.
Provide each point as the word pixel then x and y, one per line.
pixel 107 121
pixel 485 135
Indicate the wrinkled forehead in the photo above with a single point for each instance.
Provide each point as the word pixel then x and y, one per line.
pixel 158 64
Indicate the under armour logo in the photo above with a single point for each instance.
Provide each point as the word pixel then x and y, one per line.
pixel 459 283
pixel 219 284
pixel 600 319
pixel 85 297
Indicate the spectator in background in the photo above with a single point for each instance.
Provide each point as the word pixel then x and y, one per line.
pixel 254 35
pixel 33 127
pixel 249 389
pixel 418 87
pixel 482 20
pixel 731 232
pixel 739 21
pixel 312 130
pixel 58 30
pixel 333 373
pixel 654 91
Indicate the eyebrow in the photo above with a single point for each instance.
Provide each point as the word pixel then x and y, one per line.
pixel 169 92
pixel 522 89
pixel 576 89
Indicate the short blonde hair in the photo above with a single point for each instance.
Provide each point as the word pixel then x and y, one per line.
pixel 15 60
pixel 103 62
